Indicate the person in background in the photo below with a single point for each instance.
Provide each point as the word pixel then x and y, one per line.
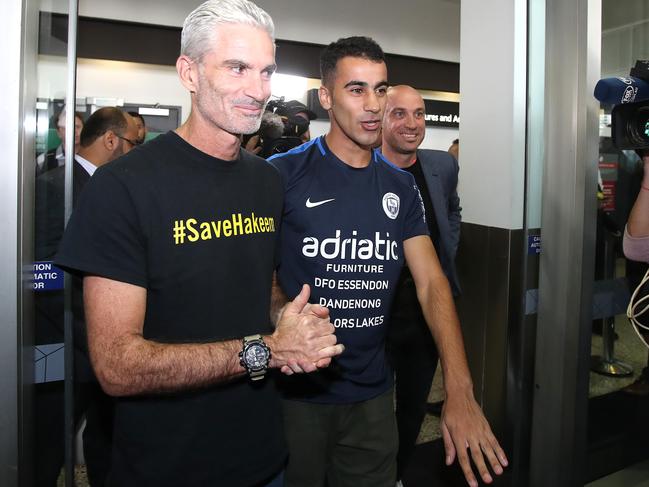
pixel 636 247
pixel 141 126
pixel 107 134
pixel 454 149
pixel 284 125
pixel 176 243
pixel 56 157
pixel 112 133
pixel 297 118
pixel 410 345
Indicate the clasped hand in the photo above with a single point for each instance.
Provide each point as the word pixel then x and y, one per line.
pixel 304 339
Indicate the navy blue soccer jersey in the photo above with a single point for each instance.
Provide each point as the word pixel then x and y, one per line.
pixel 342 233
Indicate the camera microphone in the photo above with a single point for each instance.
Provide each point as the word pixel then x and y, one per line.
pixel 614 91
pixel 271 127
pixel 630 113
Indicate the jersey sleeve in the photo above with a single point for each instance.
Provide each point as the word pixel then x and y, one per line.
pixel 104 235
pixel 415 216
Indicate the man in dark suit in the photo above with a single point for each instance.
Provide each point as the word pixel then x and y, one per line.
pixel 410 344
pixel 107 134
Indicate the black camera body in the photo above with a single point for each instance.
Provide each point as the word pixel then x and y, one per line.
pixel 283 126
pixel 630 125
pixel 630 121
pixel 294 125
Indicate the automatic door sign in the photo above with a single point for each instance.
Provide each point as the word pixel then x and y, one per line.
pixel 533 244
pixel 47 277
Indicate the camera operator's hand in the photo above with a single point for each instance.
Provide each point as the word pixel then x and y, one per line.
pixel 643 154
pixel 253 145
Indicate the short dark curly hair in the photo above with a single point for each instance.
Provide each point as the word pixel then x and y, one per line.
pixel 356 46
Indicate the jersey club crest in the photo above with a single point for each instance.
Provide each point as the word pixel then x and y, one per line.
pixel 391 203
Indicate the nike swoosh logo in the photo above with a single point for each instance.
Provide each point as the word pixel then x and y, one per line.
pixel 313 204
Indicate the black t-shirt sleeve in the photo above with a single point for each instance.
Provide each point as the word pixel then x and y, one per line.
pixel 104 236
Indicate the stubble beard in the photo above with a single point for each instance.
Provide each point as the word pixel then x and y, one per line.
pixel 119 151
pixel 402 146
pixel 356 136
pixel 227 119
pixel 403 149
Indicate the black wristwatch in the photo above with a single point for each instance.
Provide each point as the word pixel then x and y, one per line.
pixel 255 356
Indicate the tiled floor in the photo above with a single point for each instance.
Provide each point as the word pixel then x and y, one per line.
pixel 627 348
pixel 634 476
pixel 430 426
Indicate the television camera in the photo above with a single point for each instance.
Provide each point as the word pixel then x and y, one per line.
pixel 630 115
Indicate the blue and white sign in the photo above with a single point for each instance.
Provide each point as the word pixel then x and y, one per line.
pixel 533 244
pixel 47 277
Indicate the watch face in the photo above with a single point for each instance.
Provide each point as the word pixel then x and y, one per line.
pixel 256 356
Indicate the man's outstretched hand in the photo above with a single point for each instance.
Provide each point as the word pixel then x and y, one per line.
pixel 465 430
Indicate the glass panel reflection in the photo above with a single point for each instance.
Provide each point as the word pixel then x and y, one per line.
pixel 48 283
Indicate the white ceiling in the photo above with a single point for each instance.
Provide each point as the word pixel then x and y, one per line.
pixel 422 28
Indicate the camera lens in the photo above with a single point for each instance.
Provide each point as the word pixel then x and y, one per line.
pixel 639 126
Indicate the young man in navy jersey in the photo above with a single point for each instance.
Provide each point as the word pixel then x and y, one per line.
pixel 350 220
pixel 176 244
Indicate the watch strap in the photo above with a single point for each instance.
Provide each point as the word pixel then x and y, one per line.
pixel 251 338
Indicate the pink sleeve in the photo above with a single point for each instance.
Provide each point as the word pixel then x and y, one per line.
pixel 635 248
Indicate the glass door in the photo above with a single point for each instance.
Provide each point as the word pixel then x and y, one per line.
pixel 48 415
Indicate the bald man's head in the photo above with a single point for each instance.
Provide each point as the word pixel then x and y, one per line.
pixel 107 134
pixel 404 122
pixel 395 92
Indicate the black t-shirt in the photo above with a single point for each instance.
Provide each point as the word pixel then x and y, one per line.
pixel 200 235
pixel 416 170
pixel 405 307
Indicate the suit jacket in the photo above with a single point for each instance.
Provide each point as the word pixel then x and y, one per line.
pixel 440 172
pixel 50 207
pixel 49 227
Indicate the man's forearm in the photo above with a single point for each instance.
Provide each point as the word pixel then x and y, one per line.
pixel 439 311
pixel 278 300
pixel 128 364
pixel 135 365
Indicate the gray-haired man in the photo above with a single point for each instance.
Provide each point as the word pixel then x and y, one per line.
pixel 177 249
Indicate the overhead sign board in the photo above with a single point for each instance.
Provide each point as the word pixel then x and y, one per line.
pixel 442 113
